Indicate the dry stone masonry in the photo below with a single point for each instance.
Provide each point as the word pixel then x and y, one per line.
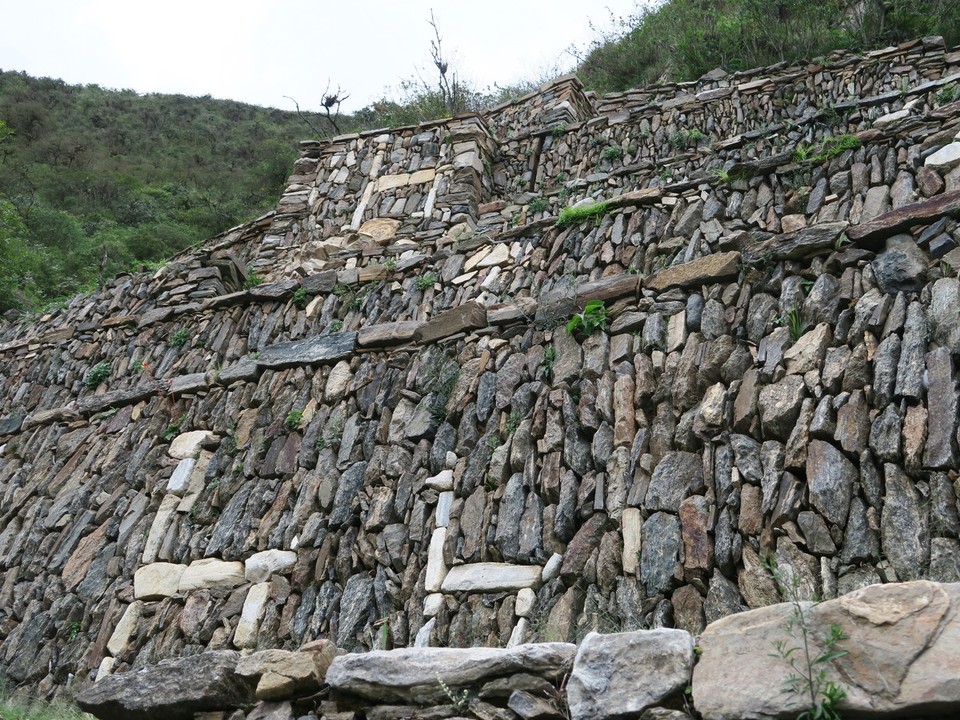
pixel 359 420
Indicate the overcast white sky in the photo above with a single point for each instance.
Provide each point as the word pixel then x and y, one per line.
pixel 258 51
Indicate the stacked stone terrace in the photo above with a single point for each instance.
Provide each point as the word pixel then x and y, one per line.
pixel 360 417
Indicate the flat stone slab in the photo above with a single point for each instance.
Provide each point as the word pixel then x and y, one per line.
pixel 273 291
pixel 388 333
pixel 491 577
pixel 469 316
pixel 172 690
pixel 115 398
pixel 926 211
pixel 410 675
pixel 801 243
pixel 701 271
pixel 621 675
pixel 322 349
pixel 191 383
pixel 45 417
pixel 243 370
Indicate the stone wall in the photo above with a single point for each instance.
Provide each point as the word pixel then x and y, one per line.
pixel 360 417
pixel 893 652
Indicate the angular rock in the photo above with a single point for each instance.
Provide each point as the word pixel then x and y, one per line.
pixel 282 673
pixel 902 266
pixel 187 445
pixel 661 543
pixel 830 479
pixel 672 480
pixel 809 351
pixel 944 318
pixel 903 525
pixel 623 674
pixel 779 406
pixel 171 690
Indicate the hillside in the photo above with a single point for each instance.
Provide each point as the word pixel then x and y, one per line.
pixel 90 171
pixel 680 40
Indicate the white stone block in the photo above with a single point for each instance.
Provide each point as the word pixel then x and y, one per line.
pixel 552 569
pixel 441 481
pixel 432 604
pixel 159 528
pixel 436 567
pixel 187 445
pixel 125 628
pixel 180 480
pixel 631 523
pixel 253 607
pixel 260 566
pixel 491 577
pixel 526 601
pixel 519 634
pixel 211 573
pixel 157 581
pixel 443 508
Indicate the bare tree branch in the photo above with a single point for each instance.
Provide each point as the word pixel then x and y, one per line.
pixel 333 100
pixel 304 117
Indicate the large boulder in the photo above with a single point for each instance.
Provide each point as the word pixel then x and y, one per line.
pixel 901 660
pixel 171 690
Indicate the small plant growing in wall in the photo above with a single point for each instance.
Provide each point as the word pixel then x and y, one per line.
pixel 612 152
pixel 809 679
pixel 300 297
pixel 546 364
pixel 427 280
pixel 459 702
pixel 538 205
pixel 96 375
pixel 253 279
pixel 293 420
pixel 180 337
pixel 720 175
pixel 513 422
pixel 794 322
pixel 593 318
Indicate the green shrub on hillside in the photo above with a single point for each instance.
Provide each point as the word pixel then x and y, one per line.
pixel 680 40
